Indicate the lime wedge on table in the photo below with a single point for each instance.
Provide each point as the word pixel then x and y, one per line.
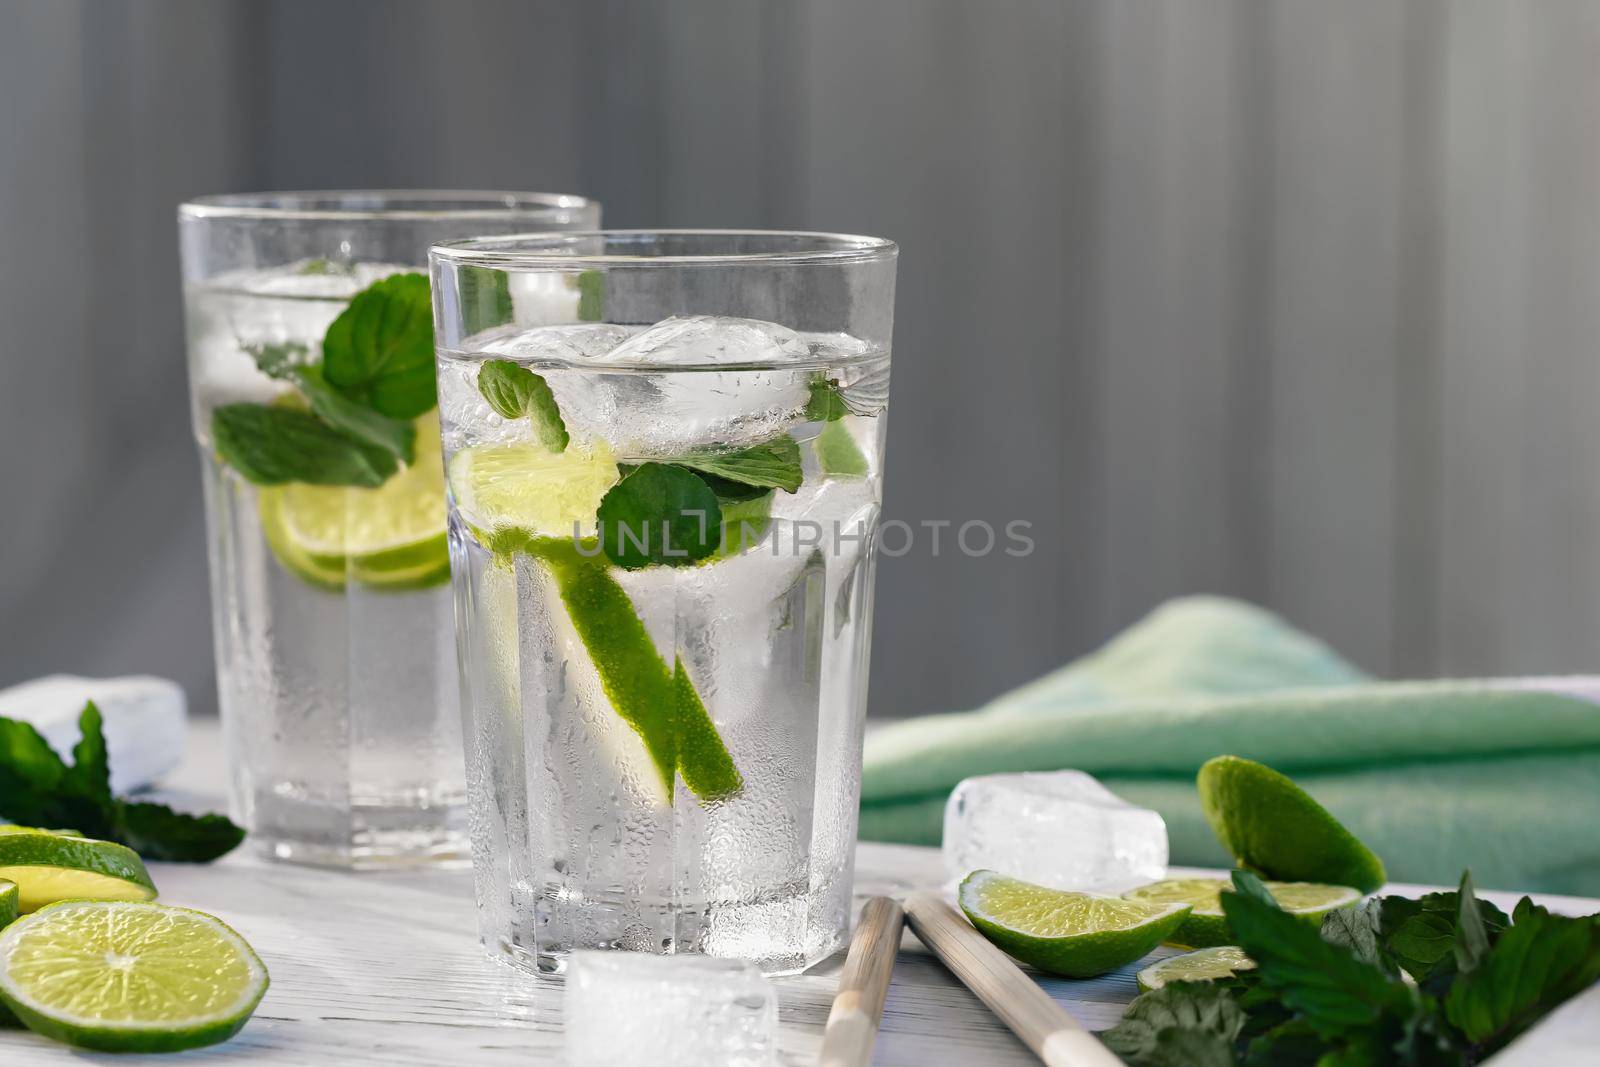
pixel 10 903
pixel 1273 826
pixel 1066 933
pixel 391 537
pixel 1219 961
pixel 1207 926
pixel 129 977
pixel 47 867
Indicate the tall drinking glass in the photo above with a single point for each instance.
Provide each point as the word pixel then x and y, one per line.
pixel 662 516
pixel 311 374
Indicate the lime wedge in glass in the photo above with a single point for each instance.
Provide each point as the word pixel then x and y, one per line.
pixel 1207 964
pixel 129 977
pixel 1066 933
pixel 1274 827
pixel 526 487
pixel 391 537
pixel 48 867
pixel 1206 924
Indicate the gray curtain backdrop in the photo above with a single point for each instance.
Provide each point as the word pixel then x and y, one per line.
pixel 1288 299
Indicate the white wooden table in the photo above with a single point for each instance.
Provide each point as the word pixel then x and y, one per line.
pixel 386 969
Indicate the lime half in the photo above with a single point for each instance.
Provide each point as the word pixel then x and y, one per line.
pixel 129 977
pixel 1273 826
pixel 1207 926
pixel 391 537
pixel 1071 934
pixel 1219 961
pixel 47 867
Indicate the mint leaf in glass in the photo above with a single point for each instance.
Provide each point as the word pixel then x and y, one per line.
pixel 379 351
pixel 659 514
pixel 826 404
pixel 591 296
pixel 773 464
pixel 514 391
pixel 271 445
pixel 395 436
pixel 485 297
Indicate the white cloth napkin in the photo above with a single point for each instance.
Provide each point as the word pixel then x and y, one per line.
pixel 145 720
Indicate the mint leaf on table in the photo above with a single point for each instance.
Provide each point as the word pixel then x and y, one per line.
pixel 773 464
pixel 1180 1023
pixel 1357 928
pixel 157 832
pixel 271 445
pixel 1419 935
pixel 1537 963
pixel 1325 984
pixel 1249 884
pixel 514 392
pixel 379 351
pixel 659 514
pixel 38 788
pixel 1471 942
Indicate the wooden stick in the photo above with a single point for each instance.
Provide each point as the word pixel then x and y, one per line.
pixel 1053 1035
pixel 858 1006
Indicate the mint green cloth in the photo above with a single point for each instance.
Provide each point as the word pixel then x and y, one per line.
pixel 1502 777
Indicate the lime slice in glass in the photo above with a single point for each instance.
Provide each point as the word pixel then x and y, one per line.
pixel 526 487
pixel 1066 933
pixel 129 977
pixel 1274 827
pixel 1207 964
pixel 391 537
pixel 1207 926
pixel 48 867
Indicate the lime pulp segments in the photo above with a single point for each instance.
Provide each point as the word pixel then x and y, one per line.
pixel 1273 826
pixel 1065 933
pixel 1207 926
pixel 47 867
pixel 129 977
pixel 1207 964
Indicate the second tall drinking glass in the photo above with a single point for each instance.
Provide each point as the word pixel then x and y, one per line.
pixel 662 515
pixel 311 370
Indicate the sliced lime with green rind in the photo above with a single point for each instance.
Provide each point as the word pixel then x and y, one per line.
pixel 10 903
pixel 703 758
pixel 48 867
pixel 744 523
pixel 1204 965
pixel 1207 925
pixel 530 488
pixel 1073 934
pixel 391 537
pixel 1274 827
pixel 118 976
pixel 838 455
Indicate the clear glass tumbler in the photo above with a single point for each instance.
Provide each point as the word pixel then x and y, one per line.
pixel 311 371
pixel 662 516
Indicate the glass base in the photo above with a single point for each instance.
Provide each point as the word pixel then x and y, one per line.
pixel 365 837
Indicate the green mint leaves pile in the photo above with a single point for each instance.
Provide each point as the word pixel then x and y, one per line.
pixel 376 375
pixel 1442 981
pixel 39 788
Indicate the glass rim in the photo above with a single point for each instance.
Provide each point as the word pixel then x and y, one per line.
pixel 535 251
pixel 324 205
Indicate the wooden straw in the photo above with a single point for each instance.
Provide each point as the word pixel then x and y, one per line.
pixel 1053 1035
pixel 858 1006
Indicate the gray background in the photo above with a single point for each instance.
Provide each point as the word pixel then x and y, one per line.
pixel 1294 300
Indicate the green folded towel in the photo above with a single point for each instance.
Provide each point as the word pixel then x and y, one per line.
pixel 1500 776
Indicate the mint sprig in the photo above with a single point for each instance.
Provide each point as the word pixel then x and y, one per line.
pixel 1335 998
pixel 39 788
pixel 773 464
pixel 376 375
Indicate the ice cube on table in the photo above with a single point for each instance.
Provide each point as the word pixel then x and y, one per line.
pixel 638 1009
pixel 1061 829
pixel 144 720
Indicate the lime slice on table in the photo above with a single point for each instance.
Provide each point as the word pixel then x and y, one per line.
pixel 391 537
pixel 1073 934
pixel 129 977
pixel 48 867
pixel 1207 926
pixel 1274 827
pixel 1207 964
pixel 10 903
pixel 534 499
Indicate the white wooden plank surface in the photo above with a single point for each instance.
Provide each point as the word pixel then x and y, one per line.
pixel 386 969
